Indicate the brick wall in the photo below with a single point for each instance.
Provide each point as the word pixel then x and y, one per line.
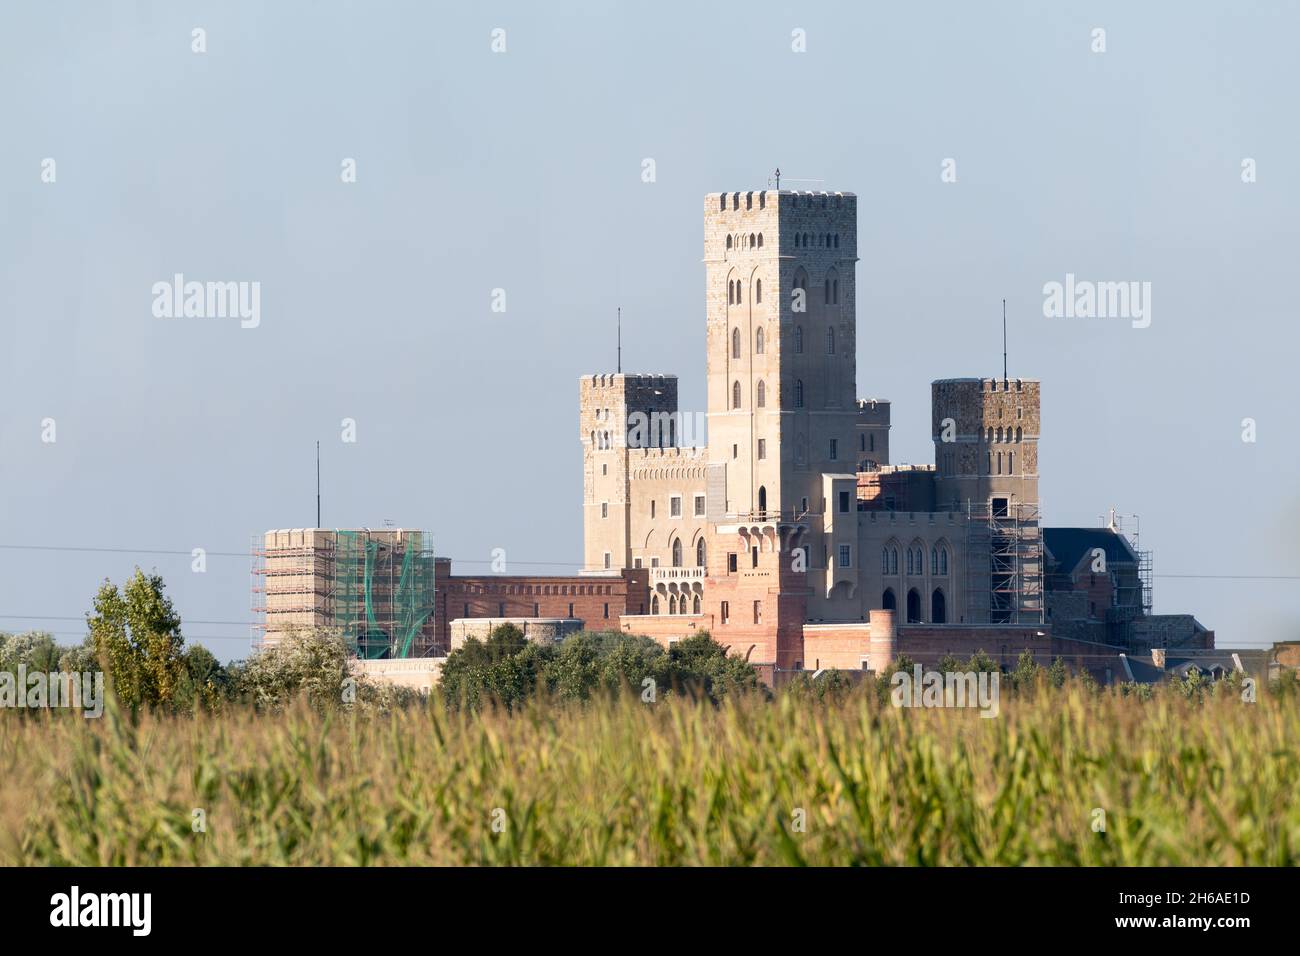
pixel 597 600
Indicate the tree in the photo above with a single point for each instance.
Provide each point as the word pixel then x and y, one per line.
pixel 306 663
pixel 1025 676
pixel 1057 674
pixel 35 650
pixel 137 633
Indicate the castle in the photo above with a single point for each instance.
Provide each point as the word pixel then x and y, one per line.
pixel 790 533
pixel 789 537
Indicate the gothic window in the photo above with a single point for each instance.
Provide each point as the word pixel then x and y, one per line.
pixel 798 340
pixel 830 341
pixel 758 341
pixel 735 395
pixel 760 235
pixel 728 238
pixel 827 294
pixel 699 554
pixel 758 293
pixel 696 609
pixel 835 292
pixel 798 393
pixel 753 240
pixel 735 343
pixel 762 394
pixel 677 552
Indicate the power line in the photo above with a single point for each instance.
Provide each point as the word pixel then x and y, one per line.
pixel 531 563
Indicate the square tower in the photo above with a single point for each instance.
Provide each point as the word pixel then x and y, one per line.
pixel 618 414
pixel 781 345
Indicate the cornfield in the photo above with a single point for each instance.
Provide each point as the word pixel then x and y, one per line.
pixel 1063 777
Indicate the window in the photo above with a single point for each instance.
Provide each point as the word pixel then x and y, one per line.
pixel 726 611
pixel 844 502
pixel 798 340
pixel 758 341
pixel 675 506
pixel 699 506
pixel 608 559
pixel 758 612
pixel 677 552
pixel 536 610
pixel 604 509
pixel 758 285
pixel 735 395
pixel 893 560
pixel 846 555
pixel 735 451
pixel 1011 463
pixel 696 608
pixel 835 449
pixel 798 393
pixel 754 556
pixel 731 562
pixel 604 469
pixel 607 610
pixel 943 561
pixel 803 504
pixel 699 553
pixel 762 448
pixel 830 341
pixel 735 343
pixel 871 442
pixel 654 604
pixel 501 609
pixel 827 295
pixel 762 394
pixel 652 508
pixel 570 609
pixel 466 614
pixel 862 442
pixel 654 562
pixel 636 562
pixel 911 566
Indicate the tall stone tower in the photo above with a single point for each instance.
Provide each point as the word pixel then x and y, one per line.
pixel 781 344
pixel 986 462
pixel 985 434
pixel 618 413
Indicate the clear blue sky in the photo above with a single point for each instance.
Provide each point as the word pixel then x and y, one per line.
pixel 522 171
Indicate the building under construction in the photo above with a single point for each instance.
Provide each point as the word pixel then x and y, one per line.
pixel 373 588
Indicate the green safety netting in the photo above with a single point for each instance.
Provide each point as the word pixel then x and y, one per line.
pixel 383 591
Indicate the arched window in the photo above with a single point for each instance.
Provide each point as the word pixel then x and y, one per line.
pixel 999 463
pixel 913 606
pixel 696 609
pixel 735 395
pixel 1011 463
pixel 735 343
pixel 835 292
pixel 699 554
pixel 798 393
pixel 837 240
pixel 753 240
pixel 762 394
pixel 830 340
pixel 724 202
pixel 677 552
pixel 1019 433
pixel 938 608
pixel 884 560
pixel 988 435
pixel 654 601
pixel 887 600
pixel 943 562
pixel 731 292
pixel 911 565
pixel 999 433
pixel 672 604
pixel 758 341
pixel 988 468
pixel 798 340
pixel 760 244
pixel 893 560
pixel 934 560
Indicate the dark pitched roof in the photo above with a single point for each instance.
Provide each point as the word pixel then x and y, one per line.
pixel 1068 545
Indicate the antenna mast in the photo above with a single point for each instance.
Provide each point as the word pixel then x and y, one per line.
pixel 318 484
pixel 1004 341
pixel 620 339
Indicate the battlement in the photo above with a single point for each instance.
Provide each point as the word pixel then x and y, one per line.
pixel 613 379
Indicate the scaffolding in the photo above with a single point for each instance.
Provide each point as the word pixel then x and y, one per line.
pixel 1004 563
pixel 375 589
